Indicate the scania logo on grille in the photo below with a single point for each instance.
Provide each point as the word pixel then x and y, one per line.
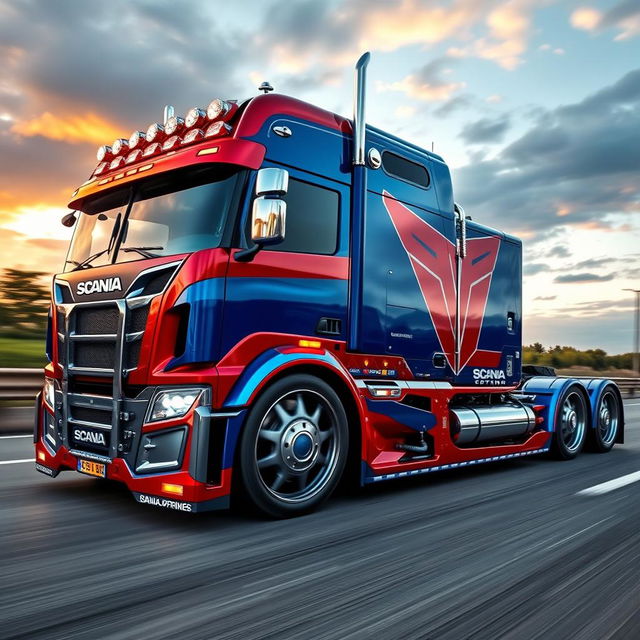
pixel 104 285
pixel 93 437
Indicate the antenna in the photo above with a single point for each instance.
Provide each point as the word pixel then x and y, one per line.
pixel 265 87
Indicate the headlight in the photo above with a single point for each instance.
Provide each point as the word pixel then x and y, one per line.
pixel 49 392
pixel 173 404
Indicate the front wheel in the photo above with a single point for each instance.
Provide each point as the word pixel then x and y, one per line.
pixel 293 447
pixel 572 417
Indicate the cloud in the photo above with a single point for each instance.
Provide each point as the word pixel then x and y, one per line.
pixel 559 251
pixel 583 278
pixel 427 83
pixel 586 154
pixel 623 16
pixel 457 103
pixel 486 130
pixel 545 298
pixel 533 268
pixel 70 128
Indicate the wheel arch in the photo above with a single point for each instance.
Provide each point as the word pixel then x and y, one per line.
pixel 596 388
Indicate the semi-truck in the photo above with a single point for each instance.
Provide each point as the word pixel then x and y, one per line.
pixel 264 298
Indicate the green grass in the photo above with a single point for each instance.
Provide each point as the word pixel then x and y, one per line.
pixel 23 353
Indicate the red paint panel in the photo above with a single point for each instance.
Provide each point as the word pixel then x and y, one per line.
pixel 276 264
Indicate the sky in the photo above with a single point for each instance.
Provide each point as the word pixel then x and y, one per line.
pixel 535 105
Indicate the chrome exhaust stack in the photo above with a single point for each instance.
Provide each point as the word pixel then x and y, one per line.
pixel 359 121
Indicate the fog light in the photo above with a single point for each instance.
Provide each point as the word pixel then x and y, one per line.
pixel 41 455
pixel 176 489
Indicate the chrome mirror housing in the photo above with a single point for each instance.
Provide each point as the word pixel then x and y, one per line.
pixel 272 181
pixel 268 220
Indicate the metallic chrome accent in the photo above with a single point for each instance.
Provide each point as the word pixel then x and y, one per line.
pixel 461 252
pixel 477 423
pixel 169 112
pixel 272 181
pixel 374 157
pixel 90 456
pixel 359 123
pixel 282 131
pixel 573 421
pixel 268 220
pixel 265 87
pixel 608 416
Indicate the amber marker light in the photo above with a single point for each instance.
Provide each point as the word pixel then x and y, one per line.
pixel 314 344
pixel 175 489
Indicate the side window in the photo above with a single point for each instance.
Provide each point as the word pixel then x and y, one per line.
pixel 312 219
pixel 404 169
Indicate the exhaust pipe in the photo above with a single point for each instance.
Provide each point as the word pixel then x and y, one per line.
pixel 359 123
pixel 358 205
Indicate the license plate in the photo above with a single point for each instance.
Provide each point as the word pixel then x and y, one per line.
pixel 91 468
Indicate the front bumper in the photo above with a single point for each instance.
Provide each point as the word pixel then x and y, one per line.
pixel 201 480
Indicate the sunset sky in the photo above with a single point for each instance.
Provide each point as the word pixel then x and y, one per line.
pixel 534 104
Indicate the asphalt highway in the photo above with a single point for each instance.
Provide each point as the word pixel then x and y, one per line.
pixel 507 550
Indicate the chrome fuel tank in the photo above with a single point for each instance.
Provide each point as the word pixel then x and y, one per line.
pixel 490 423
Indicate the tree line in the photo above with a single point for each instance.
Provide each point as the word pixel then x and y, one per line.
pixel 565 357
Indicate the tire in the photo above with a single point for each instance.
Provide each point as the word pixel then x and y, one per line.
pixel 606 421
pixel 571 423
pixel 293 447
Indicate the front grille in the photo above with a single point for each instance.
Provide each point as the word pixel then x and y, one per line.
pixel 96 320
pixel 137 319
pixel 89 414
pixel 94 355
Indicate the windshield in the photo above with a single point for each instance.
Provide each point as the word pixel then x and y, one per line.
pixel 164 215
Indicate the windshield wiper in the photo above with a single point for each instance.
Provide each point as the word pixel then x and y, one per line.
pixel 143 251
pixel 85 263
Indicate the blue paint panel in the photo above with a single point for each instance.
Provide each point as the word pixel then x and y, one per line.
pixel 547 392
pixel 262 367
pixel 281 305
pixel 416 419
pixel 205 299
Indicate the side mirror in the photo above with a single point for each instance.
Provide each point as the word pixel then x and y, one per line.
pixel 272 182
pixel 70 219
pixel 268 220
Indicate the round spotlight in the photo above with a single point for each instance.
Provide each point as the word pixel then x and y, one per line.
pixel 171 143
pixel 193 136
pixel 134 156
pixel 194 117
pixel 137 139
pixel 152 150
pixel 217 129
pixel 104 153
pixel 116 162
pixel 173 125
pixel 217 108
pixel 119 146
pixel 154 132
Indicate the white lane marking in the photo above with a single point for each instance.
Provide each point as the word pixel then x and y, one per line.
pixel 632 404
pixel 575 535
pixel 611 485
pixel 16 461
pixel 9 437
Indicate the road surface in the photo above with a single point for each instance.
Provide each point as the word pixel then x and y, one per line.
pixel 511 550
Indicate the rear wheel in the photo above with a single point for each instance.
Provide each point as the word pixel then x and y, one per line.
pixel 606 421
pixel 572 416
pixel 293 447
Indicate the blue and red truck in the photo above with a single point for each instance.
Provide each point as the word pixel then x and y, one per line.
pixel 263 295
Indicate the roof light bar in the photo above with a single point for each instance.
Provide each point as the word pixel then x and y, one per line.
pixel 137 139
pixel 104 153
pixel 173 125
pixel 218 108
pixel 100 168
pixel 217 129
pixel 116 162
pixel 193 136
pixel 153 149
pixel 134 156
pixel 171 143
pixel 119 146
pixel 155 132
pixel 194 117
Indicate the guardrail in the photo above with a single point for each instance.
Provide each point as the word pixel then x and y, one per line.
pixel 20 384
pixel 24 384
